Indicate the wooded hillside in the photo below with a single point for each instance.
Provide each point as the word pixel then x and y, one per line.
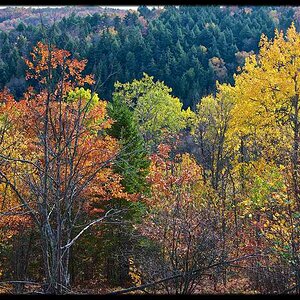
pixel 152 152
pixel 188 48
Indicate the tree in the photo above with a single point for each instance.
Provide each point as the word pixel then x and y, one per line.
pixel 132 164
pixel 265 125
pixel 64 168
pixel 218 67
pixel 144 11
pixel 10 144
pixel 181 223
pixel 275 100
pixel 154 108
pixel 209 128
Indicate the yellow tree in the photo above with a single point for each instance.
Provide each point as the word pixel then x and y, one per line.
pixel 267 106
pixel 216 153
pixel 265 128
pixel 210 129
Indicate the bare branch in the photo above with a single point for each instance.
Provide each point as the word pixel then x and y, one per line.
pixel 143 286
pixel 108 214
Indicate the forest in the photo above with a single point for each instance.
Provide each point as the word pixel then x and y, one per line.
pixel 150 151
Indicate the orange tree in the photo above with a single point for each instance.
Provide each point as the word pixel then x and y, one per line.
pixel 182 225
pixel 63 168
pixel 13 222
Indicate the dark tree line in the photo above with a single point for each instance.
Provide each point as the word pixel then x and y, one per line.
pixel 188 47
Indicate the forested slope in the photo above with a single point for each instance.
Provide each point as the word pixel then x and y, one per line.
pixel 188 47
pixel 180 178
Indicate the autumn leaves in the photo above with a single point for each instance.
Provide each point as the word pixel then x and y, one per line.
pixel 62 156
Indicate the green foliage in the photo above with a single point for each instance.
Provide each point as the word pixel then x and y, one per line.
pixel 154 108
pixel 133 163
pixel 168 44
pixel 84 95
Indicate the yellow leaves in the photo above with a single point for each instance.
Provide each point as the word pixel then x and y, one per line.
pixel 134 272
pixel 292 34
pixel 262 118
pixel 263 95
pixel 189 116
pixel 263 40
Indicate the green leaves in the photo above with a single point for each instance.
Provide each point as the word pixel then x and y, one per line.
pixel 154 108
pixel 83 94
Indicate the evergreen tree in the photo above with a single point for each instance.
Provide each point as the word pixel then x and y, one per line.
pixel 132 165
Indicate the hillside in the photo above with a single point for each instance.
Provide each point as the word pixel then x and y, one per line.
pixel 189 47
pixel 11 17
pixel 150 151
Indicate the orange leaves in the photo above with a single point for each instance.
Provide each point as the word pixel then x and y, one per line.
pixel 178 215
pixel 6 98
pixel 13 224
pixel 167 177
pixel 58 135
pixel 43 58
pixel 81 145
pixel 48 61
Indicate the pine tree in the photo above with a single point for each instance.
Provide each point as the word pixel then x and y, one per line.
pixel 132 165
